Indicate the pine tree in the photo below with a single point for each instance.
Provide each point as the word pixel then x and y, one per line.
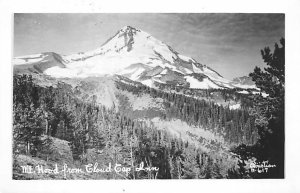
pixel 269 114
pixel 271 81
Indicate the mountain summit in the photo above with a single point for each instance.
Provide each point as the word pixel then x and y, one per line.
pixel 132 53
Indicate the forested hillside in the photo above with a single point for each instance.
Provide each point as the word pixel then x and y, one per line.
pixel 96 133
pixel 235 125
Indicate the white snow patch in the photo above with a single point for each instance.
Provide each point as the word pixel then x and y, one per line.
pixel 196 70
pixel 205 84
pixel 243 92
pixel 148 82
pixel 187 71
pixel 172 67
pixel 236 106
pixel 29 59
pixel 262 93
pixel 59 72
pixel 243 86
pixel 185 58
pixel 164 71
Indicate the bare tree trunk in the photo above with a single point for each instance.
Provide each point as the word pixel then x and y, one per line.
pixel 87 124
pixel 28 148
pixel 64 129
pixel 46 127
pixel 148 164
pixel 179 172
pixel 102 116
pixel 132 161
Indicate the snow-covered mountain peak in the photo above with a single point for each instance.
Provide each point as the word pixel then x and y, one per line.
pixel 124 38
pixel 129 29
pixel 130 39
pixel 132 53
pixel 131 42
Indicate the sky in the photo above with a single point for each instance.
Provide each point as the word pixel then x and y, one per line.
pixel 230 43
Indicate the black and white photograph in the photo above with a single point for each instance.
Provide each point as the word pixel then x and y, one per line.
pixel 140 96
pixel 149 96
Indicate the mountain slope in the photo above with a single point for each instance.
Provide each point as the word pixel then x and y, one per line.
pixel 244 82
pixel 132 53
pixel 38 63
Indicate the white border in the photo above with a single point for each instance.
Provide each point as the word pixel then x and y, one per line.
pixel 291 8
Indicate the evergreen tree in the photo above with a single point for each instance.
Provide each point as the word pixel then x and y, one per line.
pixel 269 112
pixel 272 82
